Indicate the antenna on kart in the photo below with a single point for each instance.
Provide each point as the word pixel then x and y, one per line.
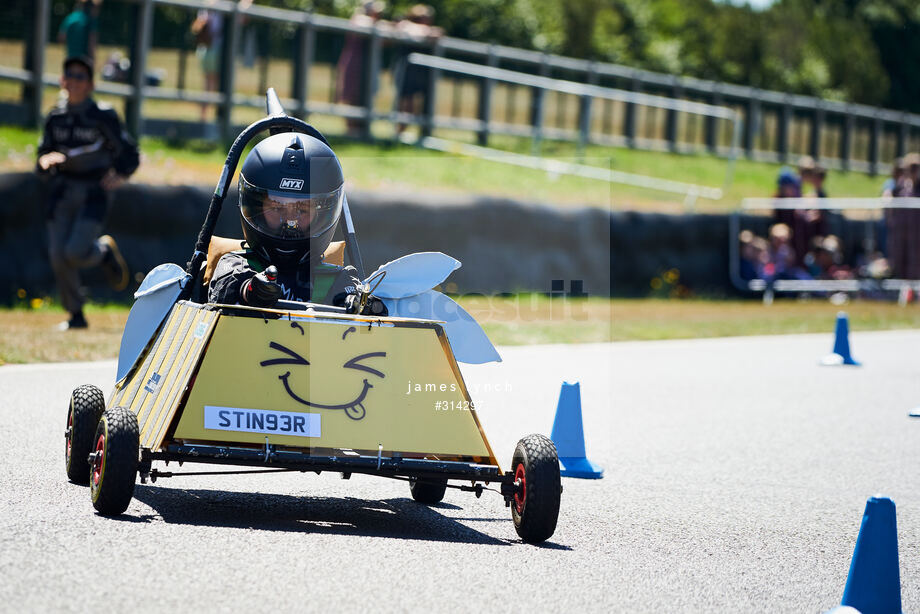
pixel 273 108
pixel 273 104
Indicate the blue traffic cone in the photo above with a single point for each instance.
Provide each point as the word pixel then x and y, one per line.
pixel 569 435
pixel 874 582
pixel 841 354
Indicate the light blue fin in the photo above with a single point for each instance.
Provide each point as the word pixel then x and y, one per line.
pixel 414 273
pixel 153 301
pixel 467 339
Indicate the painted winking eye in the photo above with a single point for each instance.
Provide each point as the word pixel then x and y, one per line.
pixel 354 409
pixel 355 363
pixel 294 357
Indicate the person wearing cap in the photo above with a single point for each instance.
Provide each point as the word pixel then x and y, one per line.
pixel 812 174
pixel 84 154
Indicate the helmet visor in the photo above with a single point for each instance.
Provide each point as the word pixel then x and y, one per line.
pixel 283 215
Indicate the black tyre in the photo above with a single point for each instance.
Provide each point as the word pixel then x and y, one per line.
pixel 86 406
pixel 535 507
pixel 113 469
pixel 428 491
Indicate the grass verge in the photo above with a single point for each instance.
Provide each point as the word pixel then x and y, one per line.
pixel 394 167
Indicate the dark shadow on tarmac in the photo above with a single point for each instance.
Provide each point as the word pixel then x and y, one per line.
pixel 398 518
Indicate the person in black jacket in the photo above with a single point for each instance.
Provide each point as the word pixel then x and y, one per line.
pixel 84 154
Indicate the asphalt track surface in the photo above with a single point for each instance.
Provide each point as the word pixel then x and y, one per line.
pixel 737 471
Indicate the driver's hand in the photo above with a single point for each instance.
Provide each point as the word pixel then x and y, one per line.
pixel 373 307
pixel 262 290
pixel 52 158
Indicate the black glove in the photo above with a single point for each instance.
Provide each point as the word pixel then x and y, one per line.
pixel 261 290
pixel 373 307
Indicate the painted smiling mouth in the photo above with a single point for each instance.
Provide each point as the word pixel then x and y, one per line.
pixel 354 410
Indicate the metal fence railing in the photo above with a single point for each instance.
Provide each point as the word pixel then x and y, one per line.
pixel 777 126
pixel 588 95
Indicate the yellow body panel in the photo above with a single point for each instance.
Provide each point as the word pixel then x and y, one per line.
pixel 359 383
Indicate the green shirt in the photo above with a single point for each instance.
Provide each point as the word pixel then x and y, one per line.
pixel 76 29
pixel 323 275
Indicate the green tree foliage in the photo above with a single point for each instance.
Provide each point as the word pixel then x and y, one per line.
pixel 855 50
pixel 864 51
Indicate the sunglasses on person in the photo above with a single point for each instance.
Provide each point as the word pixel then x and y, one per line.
pixel 76 76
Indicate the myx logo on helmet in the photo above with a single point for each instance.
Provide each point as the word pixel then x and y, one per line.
pixel 291 184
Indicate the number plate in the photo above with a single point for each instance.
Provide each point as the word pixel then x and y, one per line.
pixel 261 421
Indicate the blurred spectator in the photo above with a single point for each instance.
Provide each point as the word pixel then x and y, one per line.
pixel 909 185
pixel 350 82
pixel 806 166
pixel 755 254
pixel 812 175
pixel 78 30
pixel 828 259
pixel 889 215
pixel 84 153
pixel 412 80
pixel 782 263
pixel 818 181
pixel 208 30
pixel 117 68
pixel 788 184
pixel 891 184
pixel 250 42
pixel 903 224
pixel 874 265
pixel 805 224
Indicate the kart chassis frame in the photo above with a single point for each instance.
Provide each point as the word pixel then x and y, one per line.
pixel 274 458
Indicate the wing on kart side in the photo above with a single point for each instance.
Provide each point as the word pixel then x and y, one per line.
pixel 413 274
pixel 153 301
pixel 467 339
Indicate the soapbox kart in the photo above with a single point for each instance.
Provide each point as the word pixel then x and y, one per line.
pixel 301 386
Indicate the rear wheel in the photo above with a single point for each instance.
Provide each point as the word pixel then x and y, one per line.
pixel 113 469
pixel 428 491
pixel 86 406
pixel 538 491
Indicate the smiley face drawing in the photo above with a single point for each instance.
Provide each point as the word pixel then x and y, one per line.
pixel 354 408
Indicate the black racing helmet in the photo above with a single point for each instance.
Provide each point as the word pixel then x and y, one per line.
pixel 291 191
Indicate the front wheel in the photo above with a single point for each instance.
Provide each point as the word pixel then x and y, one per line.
pixel 538 488
pixel 86 406
pixel 113 467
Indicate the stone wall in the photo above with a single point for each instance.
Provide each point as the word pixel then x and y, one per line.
pixel 504 245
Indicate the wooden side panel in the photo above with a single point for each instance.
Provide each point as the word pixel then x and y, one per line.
pixel 155 388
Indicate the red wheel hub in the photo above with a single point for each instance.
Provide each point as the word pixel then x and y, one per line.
pixel 69 437
pixel 520 478
pixel 97 459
